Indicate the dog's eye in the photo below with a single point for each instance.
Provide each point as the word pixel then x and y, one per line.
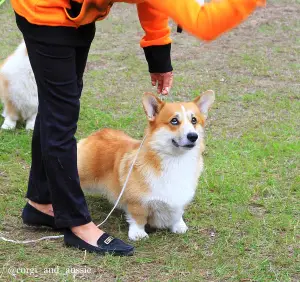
pixel 174 121
pixel 194 120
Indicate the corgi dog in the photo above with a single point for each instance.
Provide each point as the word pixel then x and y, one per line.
pixel 18 90
pixel 165 175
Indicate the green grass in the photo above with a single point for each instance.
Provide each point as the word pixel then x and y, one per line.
pixel 244 220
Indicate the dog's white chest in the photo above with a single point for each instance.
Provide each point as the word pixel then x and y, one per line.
pixel 175 187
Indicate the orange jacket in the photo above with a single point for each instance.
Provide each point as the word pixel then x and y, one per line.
pixel 205 22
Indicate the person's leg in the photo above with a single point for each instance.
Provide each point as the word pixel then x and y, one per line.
pixel 88 232
pixel 37 191
pixel 55 72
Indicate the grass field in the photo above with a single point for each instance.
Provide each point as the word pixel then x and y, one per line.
pixel 244 220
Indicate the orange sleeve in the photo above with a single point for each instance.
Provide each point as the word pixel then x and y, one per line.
pixel 210 20
pixel 155 25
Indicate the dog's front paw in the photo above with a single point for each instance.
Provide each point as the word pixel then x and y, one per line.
pixel 137 233
pixel 179 227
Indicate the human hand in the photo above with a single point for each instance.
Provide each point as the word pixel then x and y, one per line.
pixel 163 81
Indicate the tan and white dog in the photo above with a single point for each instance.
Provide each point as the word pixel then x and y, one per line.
pixel 18 90
pixel 165 175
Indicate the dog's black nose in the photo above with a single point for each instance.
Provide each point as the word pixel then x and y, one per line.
pixel 192 136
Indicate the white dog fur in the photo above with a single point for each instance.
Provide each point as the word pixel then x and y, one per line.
pixel 18 90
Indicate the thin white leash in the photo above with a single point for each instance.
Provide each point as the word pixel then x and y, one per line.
pixel 114 207
pixel 31 241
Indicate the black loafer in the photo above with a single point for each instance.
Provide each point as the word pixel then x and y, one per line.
pixel 106 245
pixel 33 217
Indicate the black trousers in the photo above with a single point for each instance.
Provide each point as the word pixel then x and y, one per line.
pixel 58 70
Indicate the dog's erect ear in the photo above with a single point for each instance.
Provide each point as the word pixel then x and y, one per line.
pixel 152 105
pixel 204 101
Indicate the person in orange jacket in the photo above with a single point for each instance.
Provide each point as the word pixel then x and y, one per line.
pixel 58 35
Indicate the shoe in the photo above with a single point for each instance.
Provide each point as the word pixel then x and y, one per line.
pixel 33 217
pixel 106 245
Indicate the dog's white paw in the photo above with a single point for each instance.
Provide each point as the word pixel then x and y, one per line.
pixel 137 233
pixel 30 125
pixel 9 124
pixel 179 227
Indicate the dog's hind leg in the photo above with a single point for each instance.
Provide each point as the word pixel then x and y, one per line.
pixel 137 219
pixel 11 116
pixel 30 122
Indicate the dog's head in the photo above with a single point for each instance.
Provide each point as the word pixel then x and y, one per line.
pixel 176 128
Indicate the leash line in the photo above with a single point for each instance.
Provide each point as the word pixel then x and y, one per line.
pixel 31 241
pixel 107 217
